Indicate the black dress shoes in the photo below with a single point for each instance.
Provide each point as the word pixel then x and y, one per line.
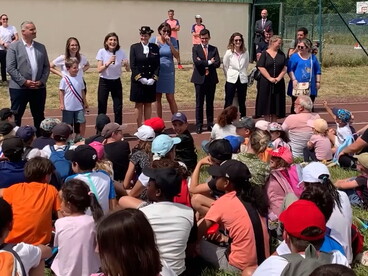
pixel 209 127
pixel 199 130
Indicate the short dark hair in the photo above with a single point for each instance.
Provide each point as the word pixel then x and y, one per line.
pixel 37 168
pixel 333 270
pixel 300 245
pixel 171 10
pixel 6 215
pixel 204 32
pixel 303 29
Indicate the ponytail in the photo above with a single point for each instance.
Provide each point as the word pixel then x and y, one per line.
pixel 96 209
pixel 326 181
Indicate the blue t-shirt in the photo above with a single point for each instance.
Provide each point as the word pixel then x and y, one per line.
pixel 330 244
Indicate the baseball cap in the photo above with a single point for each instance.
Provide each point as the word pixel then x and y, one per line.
pixel 84 155
pixel 245 122
pixel 156 123
pixel 220 149
pixel 6 113
pixel 49 123
pixel 197 16
pixel 163 143
pixel 343 114
pixel 232 169
pixel 101 121
pixel 145 133
pixel 363 159
pixel 26 133
pixel 12 145
pixel 284 153
pixel 313 171
pixel 235 142
pixel 99 148
pixel 110 128
pixel 274 127
pixel 299 216
pixel 6 127
pixel 63 130
pixel 320 125
pixel 167 179
pixel 179 116
pixel 262 124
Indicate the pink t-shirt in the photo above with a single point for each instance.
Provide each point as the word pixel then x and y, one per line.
pixel 173 23
pixel 195 30
pixel 229 211
pixel 75 237
pixel 322 147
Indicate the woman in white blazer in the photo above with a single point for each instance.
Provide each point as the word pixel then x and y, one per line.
pixel 236 61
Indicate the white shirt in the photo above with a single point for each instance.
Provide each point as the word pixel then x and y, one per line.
pixel 32 59
pixel 235 66
pixel 29 254
pixel 221 132
pixel 342 133
pixel 60 62
pixel 114 71
pixel 46 151
pixel 71 102
pixel 6 34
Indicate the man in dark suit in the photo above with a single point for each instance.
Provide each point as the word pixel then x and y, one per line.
pixel 28 66
pixel 206 59
pixel 262 25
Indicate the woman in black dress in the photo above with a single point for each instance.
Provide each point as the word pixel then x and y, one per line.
pixel 145 64
pixel 271 87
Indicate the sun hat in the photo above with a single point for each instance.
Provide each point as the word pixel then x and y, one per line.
pixel 220 149
pixel 284 153
pixel 156 123
pixel 11 146
pixel 84 155
pixel 274 127
pixel 362 159
pixel 262 125
pixel 63 130
pixel 179 116
pixel 197 16
pixel 167 179
pixel 313 171
pixel 163 143
pixel 101 121
pixel 48 124
pixel 245 122
pixel 145 133
pixel 343 114
pixel 320 125
pixel 99 148
pixel 232 169
pixel 26 133
pixel 301 215
pixel 110 128
pixel 235 142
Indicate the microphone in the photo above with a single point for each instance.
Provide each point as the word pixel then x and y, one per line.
pixel 113 52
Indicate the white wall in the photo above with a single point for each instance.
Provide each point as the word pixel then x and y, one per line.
pixel 91 20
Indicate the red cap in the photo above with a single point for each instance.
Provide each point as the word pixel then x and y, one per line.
pixel 284 153
pixel 299 216
pixel 156 123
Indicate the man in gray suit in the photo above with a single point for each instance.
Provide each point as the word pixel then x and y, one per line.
pixel 28 66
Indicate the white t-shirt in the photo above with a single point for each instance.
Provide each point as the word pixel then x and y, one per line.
pixel 46 151
pixel 274 265
pixel 75 237
pixel 172 223
pixel 340 224
pixel 6 34
pixel 221 132
pixel 341 134
pixel 60 62
pixel 29 254
pixel 114 71
pixel 70 86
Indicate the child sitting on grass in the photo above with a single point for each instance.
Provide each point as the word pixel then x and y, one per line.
pixel 244 128
pixel 279 137
pixel 319 146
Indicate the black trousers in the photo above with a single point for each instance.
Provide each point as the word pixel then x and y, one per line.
pixel 239 89
pixel 35 97
pixel 293 99
pixel 106 86
pixel 309 155
pixel 3 64
pixel 205 91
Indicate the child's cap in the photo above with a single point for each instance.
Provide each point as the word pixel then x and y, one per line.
pixel 320 125
pixel 26 133
pixel 284 153
pixel 343 114
pixel 156 123
pixel 245 122
pixel 84 155
pixel 6 127
pixel 262 125
pixel 235 142
pixel 5 113
pixel 12 146
pixel 232 169
pixel 163 143
pixel 220 149
pixel 274 127
pixel 198 16
pixel 168 179
pixel 301 215
pixel 145 133
pixel 179 116
pixel 49 123
pixel 101 121
pixel 110 128
pixel 313 171
pixel 362 159
pixel 99 148
pixel 63 130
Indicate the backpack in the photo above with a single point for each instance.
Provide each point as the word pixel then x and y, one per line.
pixel 27 150
pixel 62 166
pixel 10 262
pixel 300 266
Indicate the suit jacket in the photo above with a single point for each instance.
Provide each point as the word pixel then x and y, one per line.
pixel 201 62
pixel 259 30
pixel 19 66
pixel 235 67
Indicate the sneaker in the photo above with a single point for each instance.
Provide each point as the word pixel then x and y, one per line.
pixel 180 66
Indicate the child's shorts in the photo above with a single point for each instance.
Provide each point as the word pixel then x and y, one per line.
pixel 73 117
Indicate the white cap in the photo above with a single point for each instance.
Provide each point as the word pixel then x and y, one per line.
pixel 262 124
pixel 145 133
pixel 313 171
pixel 197 16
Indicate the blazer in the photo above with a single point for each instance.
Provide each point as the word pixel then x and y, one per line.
pixel 19 66
pixel 235 67
pixel 259 30
pixel 200 64
pixel 143 66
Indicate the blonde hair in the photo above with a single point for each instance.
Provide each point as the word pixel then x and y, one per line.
pixel 105 165
pixel 259 140
pixel 274 38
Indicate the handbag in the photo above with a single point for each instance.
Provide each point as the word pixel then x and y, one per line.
pixel 257 74
pixel 303 88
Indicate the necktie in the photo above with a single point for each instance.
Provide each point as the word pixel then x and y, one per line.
pixel 263 23
pixel 205 50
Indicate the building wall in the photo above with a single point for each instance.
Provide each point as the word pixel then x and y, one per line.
pixel 91 20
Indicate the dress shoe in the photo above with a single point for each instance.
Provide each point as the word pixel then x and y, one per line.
pixel 199 130
pixel 209 127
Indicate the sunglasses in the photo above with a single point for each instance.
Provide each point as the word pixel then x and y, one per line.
pixel 302 47
pixel 238 40
pixel 165 31
pixel 5 19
